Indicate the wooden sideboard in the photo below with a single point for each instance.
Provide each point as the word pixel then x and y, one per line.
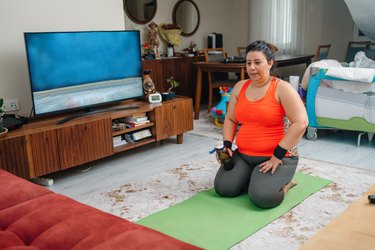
pixel 42 147
pixel 181 68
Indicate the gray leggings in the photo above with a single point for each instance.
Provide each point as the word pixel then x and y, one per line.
pixel 264 190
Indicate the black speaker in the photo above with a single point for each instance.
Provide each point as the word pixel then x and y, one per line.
pixel 215 40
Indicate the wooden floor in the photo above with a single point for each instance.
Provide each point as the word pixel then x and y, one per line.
pixel 340 147
pixel 107 174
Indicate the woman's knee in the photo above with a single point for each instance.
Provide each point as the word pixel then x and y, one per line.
pixel 227 189
pixel 231 183
pixel 264 199
pixel 266 190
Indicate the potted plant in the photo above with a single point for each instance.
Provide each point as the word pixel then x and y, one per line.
pixel 3 130
pixel 169 94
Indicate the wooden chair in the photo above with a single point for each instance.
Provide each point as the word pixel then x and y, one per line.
pixel 321 52
pixel 241 52
pixel 370 51
pixel 354 47
pixel 216 79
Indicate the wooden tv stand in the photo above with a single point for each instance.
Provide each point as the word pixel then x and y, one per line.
pixel 42 147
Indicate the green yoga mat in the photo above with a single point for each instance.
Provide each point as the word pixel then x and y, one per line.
pixel 213 222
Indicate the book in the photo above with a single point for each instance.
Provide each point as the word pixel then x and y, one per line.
pixel 123 142
pixel 141 119
pixel 139 135
pixel 139 115
pixel 129 138
pixel 136 124
pixel 135 119
pixel 117 139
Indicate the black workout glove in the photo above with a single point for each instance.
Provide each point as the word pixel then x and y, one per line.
pixel 225 157
pixel 228 144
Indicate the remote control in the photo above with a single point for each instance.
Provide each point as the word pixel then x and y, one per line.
pixel 371 198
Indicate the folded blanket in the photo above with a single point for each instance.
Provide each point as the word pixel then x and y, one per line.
pixel 352 74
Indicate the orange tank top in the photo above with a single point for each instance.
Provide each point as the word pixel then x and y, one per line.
pixel 262 122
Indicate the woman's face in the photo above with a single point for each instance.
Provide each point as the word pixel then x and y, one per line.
pixel 257 66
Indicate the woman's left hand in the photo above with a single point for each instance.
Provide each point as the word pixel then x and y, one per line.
pixel 271 164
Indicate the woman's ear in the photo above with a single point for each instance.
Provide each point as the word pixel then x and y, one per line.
pixel 270 63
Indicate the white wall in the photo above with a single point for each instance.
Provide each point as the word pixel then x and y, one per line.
pixel 18 16
pixel 328 22
pixel 313 24
pixel 337 28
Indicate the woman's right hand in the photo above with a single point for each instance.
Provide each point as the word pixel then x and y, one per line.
pixel 229 152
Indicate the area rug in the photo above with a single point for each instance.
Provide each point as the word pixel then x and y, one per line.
pixel 134 201
pixel 213 222
pixel 206 127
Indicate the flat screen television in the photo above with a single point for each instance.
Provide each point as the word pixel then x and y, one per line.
pixel 81 70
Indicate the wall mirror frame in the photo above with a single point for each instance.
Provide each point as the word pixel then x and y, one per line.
pixel 186 15
pixel 140 11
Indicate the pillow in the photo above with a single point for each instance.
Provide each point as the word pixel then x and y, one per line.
pixel 362 61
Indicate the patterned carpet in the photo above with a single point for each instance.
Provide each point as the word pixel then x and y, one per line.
pixel 134 201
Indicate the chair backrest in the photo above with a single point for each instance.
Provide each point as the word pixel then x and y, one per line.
pixel 241 51
pixel 370 51
pixel 321 52
pixel 354 47
pixel 214 54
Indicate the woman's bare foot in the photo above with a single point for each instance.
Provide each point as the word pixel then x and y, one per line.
pixel 288 186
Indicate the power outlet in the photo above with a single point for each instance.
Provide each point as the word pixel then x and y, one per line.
pixel 11 105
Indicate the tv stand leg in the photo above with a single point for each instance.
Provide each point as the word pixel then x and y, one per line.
pixel 82 168
pixel 180 138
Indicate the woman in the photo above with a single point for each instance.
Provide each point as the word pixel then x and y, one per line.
pixel 263 162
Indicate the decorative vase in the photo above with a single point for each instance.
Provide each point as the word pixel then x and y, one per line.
pixel 3 133
pixel 170 50
pixel 148 84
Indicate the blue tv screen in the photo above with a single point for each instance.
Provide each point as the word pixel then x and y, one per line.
pixel 73 70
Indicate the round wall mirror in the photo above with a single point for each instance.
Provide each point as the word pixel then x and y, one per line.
pixel 186 15
pixel 140 11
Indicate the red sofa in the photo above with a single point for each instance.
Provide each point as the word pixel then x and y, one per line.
pixel 32 217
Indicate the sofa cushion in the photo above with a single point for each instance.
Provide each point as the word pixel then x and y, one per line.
pixel 54 221
pixel 14 191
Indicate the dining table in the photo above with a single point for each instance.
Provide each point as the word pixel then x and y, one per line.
pixel 240 68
